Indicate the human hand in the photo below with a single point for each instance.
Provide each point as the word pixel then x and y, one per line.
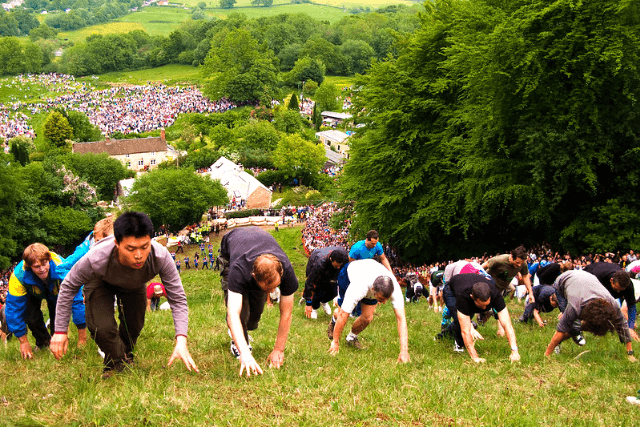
pixel 404 357
pixel 59 345
pixel 559 316
pixel 276 359
pixel 634 335
pixel 182 352
pixel 334 349
pixel 632 359
pixel 478 359
pixel 532 299
pixel 25 348
pixel 476 335
pixel 307 311
pixel 248 363
pixel 514 357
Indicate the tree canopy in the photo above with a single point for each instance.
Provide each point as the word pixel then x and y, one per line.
pixel 501 124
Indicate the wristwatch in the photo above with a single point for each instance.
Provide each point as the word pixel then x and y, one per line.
pixel 514 348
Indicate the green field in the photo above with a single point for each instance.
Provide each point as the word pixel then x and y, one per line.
pixel 358 388
pixel 169 74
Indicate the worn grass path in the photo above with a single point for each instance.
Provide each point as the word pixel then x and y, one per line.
pixel 364 387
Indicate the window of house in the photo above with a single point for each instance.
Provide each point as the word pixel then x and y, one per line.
pixel 153 161
pixel 140 162
pixel 128 164
pixel 126 155
pixel 153 153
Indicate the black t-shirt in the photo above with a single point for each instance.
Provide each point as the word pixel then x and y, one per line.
pixel 549 273
pixel 462 284
pixel 241 247
pixel 604 272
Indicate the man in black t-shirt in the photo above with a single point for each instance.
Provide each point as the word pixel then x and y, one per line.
pixel 253 266
pixel 468 294
pixel 618 283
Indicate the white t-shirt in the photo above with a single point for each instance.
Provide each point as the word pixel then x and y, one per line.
pixel 362 273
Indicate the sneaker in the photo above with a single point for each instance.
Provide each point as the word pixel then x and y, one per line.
pixel 332 325
pixel 314 314
pixel 326 308
pixel 355 343
pixel 234 350
pixel 457 348
pixel 579 339
pixel 556 350
pixel 438 337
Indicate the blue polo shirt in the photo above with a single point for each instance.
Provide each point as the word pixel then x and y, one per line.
pixel 360 251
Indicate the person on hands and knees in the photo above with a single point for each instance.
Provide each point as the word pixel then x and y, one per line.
pixel 466 295
pixel 118 267
pixel 322 273
pixel 369 283
pixel 586 305
pixel 254 265
pixel 37 277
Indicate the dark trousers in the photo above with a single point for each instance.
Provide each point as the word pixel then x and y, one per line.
pixel 253 302
pixel 35 320
pixel 454 327
pixel 324 292
pixel 117 342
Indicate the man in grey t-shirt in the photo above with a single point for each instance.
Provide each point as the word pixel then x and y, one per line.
pixel 581 298
pixel 119 269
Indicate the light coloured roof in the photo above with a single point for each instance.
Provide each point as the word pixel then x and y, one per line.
pixel 333 135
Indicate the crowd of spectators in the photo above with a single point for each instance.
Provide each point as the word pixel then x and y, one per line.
pixel 4 283
pixel 123 109
pixel 317 232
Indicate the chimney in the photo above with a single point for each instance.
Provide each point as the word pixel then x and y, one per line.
pixel 162 135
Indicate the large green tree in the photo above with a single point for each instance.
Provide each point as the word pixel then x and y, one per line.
pixel 99 170
pixel 176 197
pixel 500 124
pixel 298 158
pixel 57 130
pixel 240 69
pixel 9 197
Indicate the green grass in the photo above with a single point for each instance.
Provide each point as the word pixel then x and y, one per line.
pixel 169 74
pixel 363 387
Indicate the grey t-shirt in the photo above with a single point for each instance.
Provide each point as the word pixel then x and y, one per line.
pixel 578 288
pixel 100 265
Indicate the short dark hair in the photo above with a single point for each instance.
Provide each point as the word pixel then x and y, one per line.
pixel 519 252
pixel 373 234
pixel 598 316
pixel 339 255
pixel 136 224
pixel 622 278
pixel 383 285
pixel 481 291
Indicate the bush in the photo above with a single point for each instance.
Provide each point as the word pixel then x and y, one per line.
pixel 243 214
pixel 271 177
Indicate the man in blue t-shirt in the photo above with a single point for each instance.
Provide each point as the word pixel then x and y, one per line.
pixel 369 248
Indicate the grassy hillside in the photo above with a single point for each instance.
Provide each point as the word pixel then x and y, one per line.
pixel 364 387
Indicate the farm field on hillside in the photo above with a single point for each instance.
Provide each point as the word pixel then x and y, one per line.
pixel 168 74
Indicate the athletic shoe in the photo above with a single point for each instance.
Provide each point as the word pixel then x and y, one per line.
pixel 326 308
pixel 354 343
pixel 579 339
pixel 556 350
pixel 314 314
pixel 457 348
pixel 438 337
pixel 332 325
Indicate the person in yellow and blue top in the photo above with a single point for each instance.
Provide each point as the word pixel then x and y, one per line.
pixel 37 277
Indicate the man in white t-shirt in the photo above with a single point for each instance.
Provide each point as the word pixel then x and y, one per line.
pixel 369 282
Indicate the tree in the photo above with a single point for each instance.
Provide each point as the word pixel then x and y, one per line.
pixel 26 20
pixel 9 197
pixel 293 102
pixel 83 130
pixel 8 25
pixel 65 225
pixel 57 130
pixel 202 5
pixel 288 121
pixel 288 56
pixel 495 124
pixel 327 97
pixel 100 170
pixel 306 69
pixel 21 146
pixel 330 55
pixel 316 118
pixel 359 55
pixel 257 135
pixel 176 198
pixel 42 32
pixel 238 68
pixel 298 158
pixel 227 4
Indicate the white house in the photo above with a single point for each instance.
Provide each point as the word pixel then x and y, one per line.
pixel 240 184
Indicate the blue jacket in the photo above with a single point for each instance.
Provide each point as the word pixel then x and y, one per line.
pixel 24 283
